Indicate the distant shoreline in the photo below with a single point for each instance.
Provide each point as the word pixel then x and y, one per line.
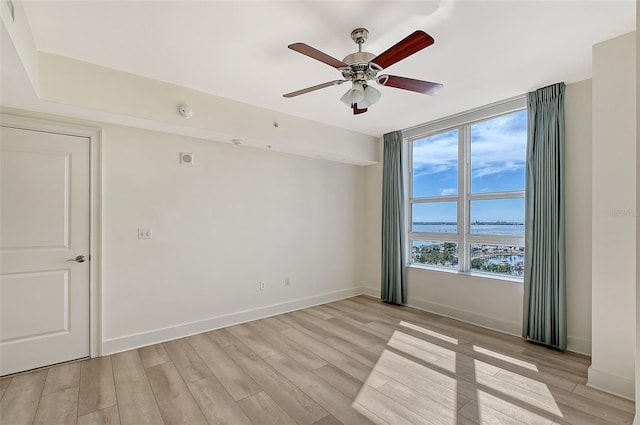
pixel 475 223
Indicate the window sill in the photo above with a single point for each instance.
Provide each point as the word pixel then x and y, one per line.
pixel 513 279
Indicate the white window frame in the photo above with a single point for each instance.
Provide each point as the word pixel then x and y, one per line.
pixel 462 122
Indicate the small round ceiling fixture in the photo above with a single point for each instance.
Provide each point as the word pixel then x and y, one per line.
pixel 185 111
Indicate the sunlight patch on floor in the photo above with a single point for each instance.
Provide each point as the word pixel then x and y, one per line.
pixel 505 358
pixel 429 332
pixel 360 408
pixel 542 398
pixel 400 390
pixel 418 348
pixel 416 381
pixel 489 408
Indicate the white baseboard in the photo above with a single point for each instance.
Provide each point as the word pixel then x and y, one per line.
pixel 488 322
pixel 493 323
pixel 579 345
pixel 129 342
pixel 574 344
pixel 614 384
pixel 372 292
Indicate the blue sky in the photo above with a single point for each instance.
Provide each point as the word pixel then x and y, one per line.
pixel 498 149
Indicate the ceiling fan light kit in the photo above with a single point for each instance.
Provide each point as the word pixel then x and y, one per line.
pixel 361 94
pixel 361 67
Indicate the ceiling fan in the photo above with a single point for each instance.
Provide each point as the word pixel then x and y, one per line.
pixel 361 67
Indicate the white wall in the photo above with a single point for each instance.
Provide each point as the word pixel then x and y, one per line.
pixel 614 253
pixel 153 104
pixel 637 418
pixel 235 217
pixel 370 251
pixel 578 214
pixel 494 303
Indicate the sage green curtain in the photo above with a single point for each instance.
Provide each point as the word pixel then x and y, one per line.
pixel 545 304
pixel 394 281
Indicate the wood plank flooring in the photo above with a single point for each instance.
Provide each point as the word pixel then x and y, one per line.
pixel 355 361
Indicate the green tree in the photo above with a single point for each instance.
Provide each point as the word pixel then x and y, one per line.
pixel 450 248
pixel 477 263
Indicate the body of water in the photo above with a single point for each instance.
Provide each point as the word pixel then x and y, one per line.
pixel 490 229
pixel 512 260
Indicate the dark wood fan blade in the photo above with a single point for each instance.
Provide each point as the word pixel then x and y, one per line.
pixel 419 86
pixel 358 111
pixel 413 43
pixel 314 88
pixel 316 54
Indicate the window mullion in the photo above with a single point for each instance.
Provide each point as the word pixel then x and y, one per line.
pixel 434 199
pixel 512 194
pixel 431 236
pixel 466 131
pixel 408 214
pixel 461 253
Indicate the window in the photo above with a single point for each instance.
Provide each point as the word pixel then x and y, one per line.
pixel 466 194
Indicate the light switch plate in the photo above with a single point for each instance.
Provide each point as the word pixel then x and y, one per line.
pixel 144 233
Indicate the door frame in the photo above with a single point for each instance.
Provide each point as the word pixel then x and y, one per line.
pixel 94 134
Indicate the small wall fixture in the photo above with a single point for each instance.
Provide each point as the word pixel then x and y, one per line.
pixel 185 111
pixel 186 158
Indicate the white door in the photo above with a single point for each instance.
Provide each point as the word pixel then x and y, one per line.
pixel 44 223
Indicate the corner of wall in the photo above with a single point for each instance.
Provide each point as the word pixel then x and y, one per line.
pixel 614 216
pixel 604 381
pixel 637 418
pixel 14 21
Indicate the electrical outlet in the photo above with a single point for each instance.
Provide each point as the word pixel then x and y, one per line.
pixel 263 285
pixel 287 282
pixel 144 233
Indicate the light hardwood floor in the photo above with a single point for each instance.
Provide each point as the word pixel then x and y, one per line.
pixel 355 361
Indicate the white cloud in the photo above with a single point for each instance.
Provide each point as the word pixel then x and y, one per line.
pixel 435 154
pixel 449 191
pixel 498 145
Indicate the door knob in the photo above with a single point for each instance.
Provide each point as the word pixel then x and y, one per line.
pixel 78 259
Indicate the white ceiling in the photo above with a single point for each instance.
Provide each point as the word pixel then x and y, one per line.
pixel 484 51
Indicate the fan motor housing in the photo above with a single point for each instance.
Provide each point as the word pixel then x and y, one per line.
pixel 359 66
pixel 359 63
pixel 358 57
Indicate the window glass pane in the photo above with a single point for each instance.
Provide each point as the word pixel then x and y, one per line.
pixel 435 253
pixel 501 259
pixel 435 165
pixel 438 217
pixel 498 152
pixel 498 217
